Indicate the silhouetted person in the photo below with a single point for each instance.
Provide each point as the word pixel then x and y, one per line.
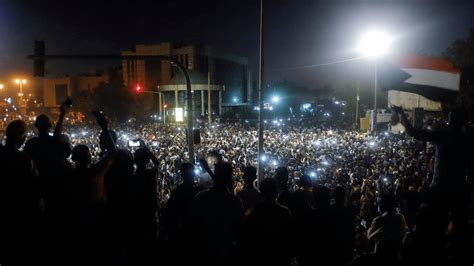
pixel 268 228
pixel 143 195
pixel 342 222
pixel 249 195
pixel 142 204
pixel 453 162
pixel 216 216
pixel 303 199
pixel 176 212
pixel 285 197
pixel 115 187
pixel 388 230
pixel 85 212
pixel 430 233
pixel 314 242
pixel 19 199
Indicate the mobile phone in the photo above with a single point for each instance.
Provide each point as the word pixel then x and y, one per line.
pixel 132 143
pixel 68 102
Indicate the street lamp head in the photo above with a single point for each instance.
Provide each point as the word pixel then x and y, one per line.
pixel 17 81
pixel 374 44
pixel 23 81
pixel 235 99
pixel 1 86
pixel 275 99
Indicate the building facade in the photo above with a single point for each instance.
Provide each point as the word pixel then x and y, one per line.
pixel 227 76
pixel 55 90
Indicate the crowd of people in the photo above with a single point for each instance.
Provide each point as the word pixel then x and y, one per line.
pixel 89 194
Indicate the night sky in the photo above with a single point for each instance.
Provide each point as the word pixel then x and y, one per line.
pixel 298 32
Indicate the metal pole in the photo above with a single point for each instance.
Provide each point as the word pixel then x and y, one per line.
pixel 357 105
pixel 164 115
pixel 220 103
pixel 260 99
pixel 202 102
pixel 375 86
pixel 209 113
pixel 374 114
pixel 160 102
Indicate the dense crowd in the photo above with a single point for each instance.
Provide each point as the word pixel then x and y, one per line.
pixel 330 196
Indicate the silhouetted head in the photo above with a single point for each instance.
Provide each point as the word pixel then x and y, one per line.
pixel 81 156
pixel 387 203
pixel 269 189
pixel 457 118
pixel 187 173
pixel 305 181
pixel 16 133
pixel 223 175
pixel 64 147
pixel 322 196
pixel 43 124
pixel 281 176
pixel 340 196
pixel 104 141
pixel 250 174
pixel 141 157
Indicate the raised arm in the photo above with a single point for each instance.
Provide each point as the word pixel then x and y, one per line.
pixel 99 177
pixel 103 123
pixel 152 156
pixel 63 110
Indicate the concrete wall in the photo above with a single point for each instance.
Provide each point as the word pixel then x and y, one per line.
pixel 49 90
pixel 409 101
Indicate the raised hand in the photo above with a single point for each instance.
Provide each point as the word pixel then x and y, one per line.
pixel 65 106
pixel 101 119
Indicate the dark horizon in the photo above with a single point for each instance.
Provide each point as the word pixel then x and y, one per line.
pixel 296 33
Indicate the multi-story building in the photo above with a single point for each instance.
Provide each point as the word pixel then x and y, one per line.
pixel 55 90
pixel 228 76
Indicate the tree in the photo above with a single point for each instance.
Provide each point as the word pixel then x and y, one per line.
pixel 461 52
pixel 116 99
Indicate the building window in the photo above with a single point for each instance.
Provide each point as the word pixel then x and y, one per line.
pixel 61 93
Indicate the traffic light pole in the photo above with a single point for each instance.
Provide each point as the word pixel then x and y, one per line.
pixel 40 58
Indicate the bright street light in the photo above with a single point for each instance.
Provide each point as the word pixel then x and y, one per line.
pixel 22 81
pixel 275 99
pixel 235 99
pixel 1 86
pixel 374 44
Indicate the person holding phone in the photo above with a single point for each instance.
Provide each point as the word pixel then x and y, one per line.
pixel 142 203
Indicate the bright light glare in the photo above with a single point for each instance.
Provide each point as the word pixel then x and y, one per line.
pixel 264 158
pixel 371 144
pixel 275 99
pixel 274 163
pixel 312 174
pixel 235 99
pixel 374 43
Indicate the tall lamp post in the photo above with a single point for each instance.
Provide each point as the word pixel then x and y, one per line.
pixel 374 44
pixel 260 98
pixel 21 82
